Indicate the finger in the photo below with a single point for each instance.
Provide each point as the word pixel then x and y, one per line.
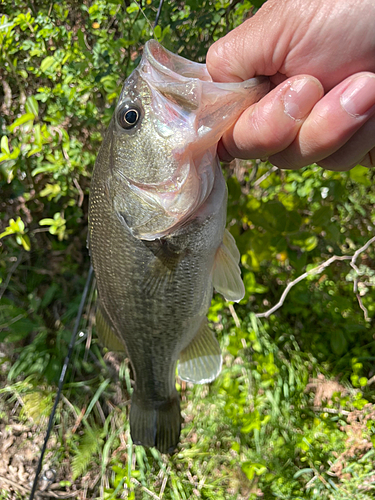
pixel 331 123
pixel 360 149
pixel 272 124
pixel 256 47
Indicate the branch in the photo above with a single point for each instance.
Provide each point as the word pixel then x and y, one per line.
pixel 264 176
pixel 318 270
pixel 14 485
pixel 25 490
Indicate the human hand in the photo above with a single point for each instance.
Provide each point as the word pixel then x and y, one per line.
pixel 320 56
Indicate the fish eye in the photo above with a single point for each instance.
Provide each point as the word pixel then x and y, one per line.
pixel 128 116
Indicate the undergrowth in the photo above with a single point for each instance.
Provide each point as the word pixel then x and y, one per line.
pixel 273 425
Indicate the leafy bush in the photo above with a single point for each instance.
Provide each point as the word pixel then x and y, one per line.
pixel 291 416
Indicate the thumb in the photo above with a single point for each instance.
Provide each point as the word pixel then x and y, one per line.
pixel 256 47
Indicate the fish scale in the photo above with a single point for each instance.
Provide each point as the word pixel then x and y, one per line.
pixel 159 247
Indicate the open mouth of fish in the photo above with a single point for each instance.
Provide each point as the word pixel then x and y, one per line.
pixel 191 112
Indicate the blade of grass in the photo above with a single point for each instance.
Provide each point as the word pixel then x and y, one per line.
pixel 97 395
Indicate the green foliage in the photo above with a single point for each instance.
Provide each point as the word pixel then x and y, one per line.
pixel 291 415
pixel 90 444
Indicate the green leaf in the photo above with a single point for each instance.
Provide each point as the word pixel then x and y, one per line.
pixel 361 175
pixel 50 190
pixel 90 444
pixel 25 242
pixel 252 468
pixel 46 222
pixel 20 329
pixel 133 7
pixel 338 343
pixel 303 471
pixel 15 227
pixel 157 32
pixel 322 217
pixel 96 397
pixel 34 150
pixel 32 105
pixel 272 217
pixel 23 73
pixel 47 63
pixel 27 117
pixel 49 295
pixel 4 145
pixel 6 25
pixel 305 240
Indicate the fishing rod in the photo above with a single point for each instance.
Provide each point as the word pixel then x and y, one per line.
pixel 61 381
pixel 158 13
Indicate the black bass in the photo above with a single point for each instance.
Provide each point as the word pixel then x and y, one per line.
pixel 157 236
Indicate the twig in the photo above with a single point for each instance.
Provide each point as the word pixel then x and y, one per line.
pixel 334 411
pixel 355 281
pixel 143 488
pixel 57 495
pixel 264 176
pixel 26 490
pixel 70 406
pixel 359 251
pixel 164 483
pixel 318 270
pixel 364 309
pixel 81 195
pixel 234 315
pixel 15 485
pixel 79 419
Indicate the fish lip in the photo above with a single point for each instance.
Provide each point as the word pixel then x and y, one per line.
pixel 153 53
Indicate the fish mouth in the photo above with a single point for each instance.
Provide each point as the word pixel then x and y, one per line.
pixel 173 66
pixel 191 113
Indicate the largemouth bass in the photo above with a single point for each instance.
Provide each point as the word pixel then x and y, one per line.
pixel 157 235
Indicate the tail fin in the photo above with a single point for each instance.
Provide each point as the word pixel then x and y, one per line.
pixel 157 426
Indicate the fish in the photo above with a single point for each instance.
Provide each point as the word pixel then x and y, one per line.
pixel 157 238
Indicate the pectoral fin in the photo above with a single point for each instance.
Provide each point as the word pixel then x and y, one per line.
pixel 226 277
pixel 162 268
pixel 201 360
pixel 105 333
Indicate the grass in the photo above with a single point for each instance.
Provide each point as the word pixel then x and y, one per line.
pixel 271 426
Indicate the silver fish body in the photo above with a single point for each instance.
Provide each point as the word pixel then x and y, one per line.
pixel 157 235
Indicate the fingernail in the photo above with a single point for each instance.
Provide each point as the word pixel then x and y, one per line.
pixel 359 97
pixel 301 96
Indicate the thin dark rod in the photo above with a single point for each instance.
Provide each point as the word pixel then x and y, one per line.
pixel 158 13
pixel 61 381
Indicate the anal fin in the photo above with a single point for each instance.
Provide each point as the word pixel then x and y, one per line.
pixel 105 333
pixel 201 360
pixel 226 277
